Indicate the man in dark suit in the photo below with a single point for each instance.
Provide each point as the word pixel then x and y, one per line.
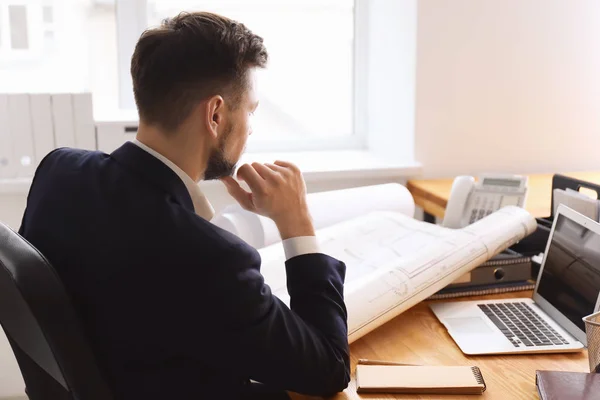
pixel 174 307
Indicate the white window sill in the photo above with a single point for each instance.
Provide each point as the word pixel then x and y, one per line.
pixel 317 166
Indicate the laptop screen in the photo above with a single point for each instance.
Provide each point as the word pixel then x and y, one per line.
pixel 570 279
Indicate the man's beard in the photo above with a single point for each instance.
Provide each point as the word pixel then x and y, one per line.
pixel 218 167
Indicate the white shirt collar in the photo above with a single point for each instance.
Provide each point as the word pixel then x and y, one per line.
pixel 202 206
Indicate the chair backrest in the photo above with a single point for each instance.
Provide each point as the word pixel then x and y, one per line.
pixel 41 324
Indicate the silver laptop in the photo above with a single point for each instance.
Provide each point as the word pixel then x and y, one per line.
pixel 566 291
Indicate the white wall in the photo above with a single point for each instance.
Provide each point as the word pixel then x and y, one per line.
pixel 508 85
pixel 391 62
pixel 11 209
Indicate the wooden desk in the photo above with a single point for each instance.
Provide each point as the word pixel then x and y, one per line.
pixel 432 195
pixel 417 337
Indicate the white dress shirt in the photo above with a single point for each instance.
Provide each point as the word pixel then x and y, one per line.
pixel 292 247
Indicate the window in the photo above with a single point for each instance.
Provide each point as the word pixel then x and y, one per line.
pixel 307 89
pixel 59 46
pixel 308 93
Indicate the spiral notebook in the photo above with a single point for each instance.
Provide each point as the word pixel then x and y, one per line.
pixel 419 379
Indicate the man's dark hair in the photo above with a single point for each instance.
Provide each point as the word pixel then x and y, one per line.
pixel 190 58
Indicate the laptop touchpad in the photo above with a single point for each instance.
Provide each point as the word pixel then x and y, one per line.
pixel 468 325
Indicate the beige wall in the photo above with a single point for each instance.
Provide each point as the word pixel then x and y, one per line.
pixel 508 85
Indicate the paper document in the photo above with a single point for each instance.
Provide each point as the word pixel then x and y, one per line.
pixel 394 261
pixel 326 208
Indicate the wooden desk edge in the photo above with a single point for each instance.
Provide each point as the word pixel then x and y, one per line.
pixel 429 201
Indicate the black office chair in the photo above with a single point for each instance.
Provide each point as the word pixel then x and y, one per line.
pixel 42 327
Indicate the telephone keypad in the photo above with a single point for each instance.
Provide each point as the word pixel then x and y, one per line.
pixel 473 217
pixel 478 213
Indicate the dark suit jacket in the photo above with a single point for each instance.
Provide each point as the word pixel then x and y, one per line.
pixel 175 307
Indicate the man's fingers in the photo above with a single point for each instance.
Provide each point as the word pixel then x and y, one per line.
pixel 238 193
pixel 282 163
pixel 287 164
pixel 265 172
pixel 276 168
pixel 252 178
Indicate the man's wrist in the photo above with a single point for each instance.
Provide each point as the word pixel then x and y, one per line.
pixel 295 226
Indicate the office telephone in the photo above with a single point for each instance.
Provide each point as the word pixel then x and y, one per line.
pixel 470 200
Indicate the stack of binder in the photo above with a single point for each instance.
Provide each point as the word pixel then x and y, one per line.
pixel 32 125
pixel 509 271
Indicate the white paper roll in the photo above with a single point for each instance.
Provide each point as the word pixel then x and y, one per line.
pixel 326 208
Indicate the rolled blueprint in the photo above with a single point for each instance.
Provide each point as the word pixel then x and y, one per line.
pixel 326 208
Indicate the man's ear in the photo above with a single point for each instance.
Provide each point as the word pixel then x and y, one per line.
pixel 215 114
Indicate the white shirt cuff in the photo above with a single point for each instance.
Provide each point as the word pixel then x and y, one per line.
pixel 300 245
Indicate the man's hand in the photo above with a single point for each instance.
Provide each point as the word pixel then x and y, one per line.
pixel 278 192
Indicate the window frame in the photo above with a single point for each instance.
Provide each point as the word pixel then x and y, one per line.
pixel 131 21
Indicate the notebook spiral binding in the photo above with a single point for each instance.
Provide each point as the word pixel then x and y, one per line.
pixel 479 377
pixel 510 261
pixel 466 291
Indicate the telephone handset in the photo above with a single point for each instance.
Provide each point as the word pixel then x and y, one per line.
pixel 470 200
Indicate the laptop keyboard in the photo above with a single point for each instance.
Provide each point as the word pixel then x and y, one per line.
pixel 521 325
